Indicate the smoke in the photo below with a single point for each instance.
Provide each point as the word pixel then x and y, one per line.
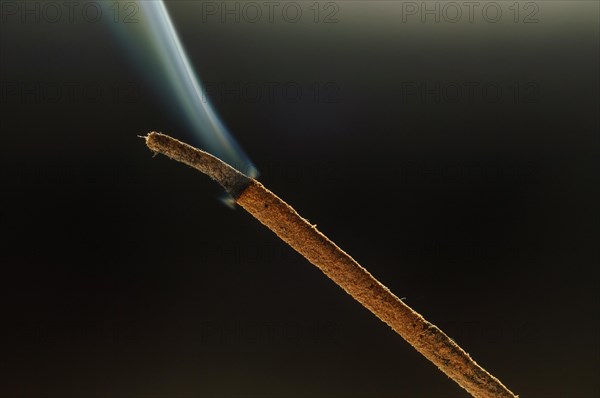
pixel 156 46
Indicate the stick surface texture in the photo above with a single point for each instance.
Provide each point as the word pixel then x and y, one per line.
pixel 304 237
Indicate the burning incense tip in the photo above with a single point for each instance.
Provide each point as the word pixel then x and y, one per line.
pixel 229 178
pixel 288 225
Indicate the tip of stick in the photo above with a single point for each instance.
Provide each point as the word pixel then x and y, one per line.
pixel 232 180
pixel 152 139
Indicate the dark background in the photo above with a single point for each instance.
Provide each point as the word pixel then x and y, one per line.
pixel 123 275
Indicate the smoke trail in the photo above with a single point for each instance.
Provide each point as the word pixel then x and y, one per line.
pixel 160 43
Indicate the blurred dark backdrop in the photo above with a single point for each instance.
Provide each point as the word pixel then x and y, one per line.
pixel 455 159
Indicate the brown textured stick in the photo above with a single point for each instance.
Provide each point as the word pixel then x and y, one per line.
pixel 282 219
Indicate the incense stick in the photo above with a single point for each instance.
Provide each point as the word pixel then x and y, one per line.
pixel 304 237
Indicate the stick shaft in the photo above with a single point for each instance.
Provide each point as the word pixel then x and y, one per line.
pixel 430 341
pixel 282 219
